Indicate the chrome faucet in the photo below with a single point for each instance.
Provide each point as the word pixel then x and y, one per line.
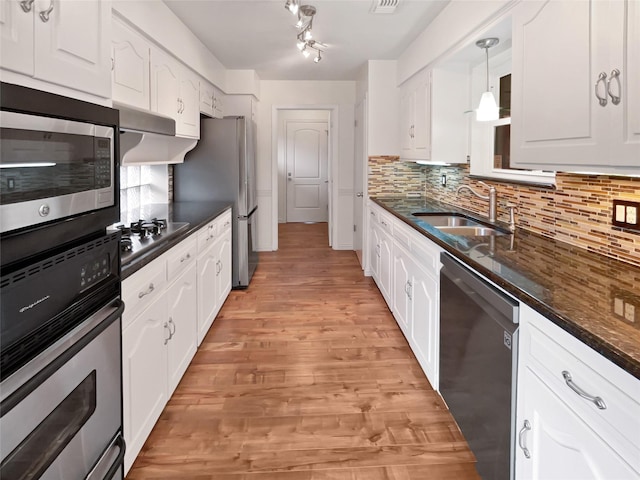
pixel 491 198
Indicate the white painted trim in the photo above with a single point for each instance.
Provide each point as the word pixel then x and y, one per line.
pixel 333 156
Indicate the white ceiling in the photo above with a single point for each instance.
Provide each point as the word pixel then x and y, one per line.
pixel 261 34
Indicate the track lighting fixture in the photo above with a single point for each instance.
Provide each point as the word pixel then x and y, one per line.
pixel 305 42
pixel 293 6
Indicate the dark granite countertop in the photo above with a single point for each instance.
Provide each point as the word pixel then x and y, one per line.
pixel 579 290
pixel 196 214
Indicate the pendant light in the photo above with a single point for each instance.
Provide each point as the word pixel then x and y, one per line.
pixel 488 108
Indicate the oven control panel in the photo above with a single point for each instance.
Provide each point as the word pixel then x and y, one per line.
pixel 94 271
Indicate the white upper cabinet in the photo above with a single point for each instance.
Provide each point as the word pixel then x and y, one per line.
pixel 575 99
pixel 415 117
pixel 16 37
pixel 63 42
pixel 175 92
pixel 130 69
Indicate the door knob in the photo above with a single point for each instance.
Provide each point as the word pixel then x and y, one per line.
pixel 359 194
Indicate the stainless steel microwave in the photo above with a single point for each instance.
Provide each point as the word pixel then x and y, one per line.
pixel 51 168
pixel 59 165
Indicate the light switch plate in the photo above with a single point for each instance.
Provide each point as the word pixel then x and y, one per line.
pixel 626 214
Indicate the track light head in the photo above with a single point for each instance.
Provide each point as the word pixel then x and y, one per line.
pixel 318 57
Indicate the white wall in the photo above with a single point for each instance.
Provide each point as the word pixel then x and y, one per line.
pixel 314 95
pixel 457 21
pixel 285 116
pixel 383 109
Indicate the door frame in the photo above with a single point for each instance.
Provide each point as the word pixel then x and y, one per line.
pixel 332 169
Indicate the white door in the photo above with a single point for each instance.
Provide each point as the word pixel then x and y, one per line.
pixel 16 37
pixel 165 85
pixel 307 172
pixel 72 45
pixel 359 182
pixel 130 73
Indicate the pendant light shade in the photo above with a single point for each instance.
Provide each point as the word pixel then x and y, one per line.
pixel 488 109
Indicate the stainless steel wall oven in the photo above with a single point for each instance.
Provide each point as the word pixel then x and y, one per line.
pixel 60 286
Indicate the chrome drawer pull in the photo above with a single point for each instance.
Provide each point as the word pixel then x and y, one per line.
pixel 149 290
pixel 602 78
pixel 523 431
pixel 185 258
pixel 615 75
pixel 26 5
pixel 166 327
pixel 45 14
pixel 570 383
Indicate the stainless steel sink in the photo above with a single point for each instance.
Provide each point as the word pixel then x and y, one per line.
pixel 467 231
pixel 456 224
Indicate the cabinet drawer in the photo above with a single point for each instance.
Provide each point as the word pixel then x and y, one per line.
pixel 386 222
pixel 402 233
pixel 207 235
pixel 426 252
pixel 619 422
pixel 142 288
pixel 180 257
pixel 224 222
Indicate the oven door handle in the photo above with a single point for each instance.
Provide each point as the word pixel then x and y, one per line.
pixel 117 463
pixel 40 377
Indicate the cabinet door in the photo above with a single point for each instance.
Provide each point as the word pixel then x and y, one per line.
pixel 182 321
pixel 422 118
pixel 206 98
pixel 189 118
pixel 560 443
pixel 556 117
pixel 401 289
pixel 223 270
pixel 218 105
pixel 16 37
pixel 630 103
pixel 406 122
pixel 130 73
pixel 425 332
pixel 386 266
pixel 144 375
pixel 165 84
pixel 208 305
pixel 72 45
pixel 374 249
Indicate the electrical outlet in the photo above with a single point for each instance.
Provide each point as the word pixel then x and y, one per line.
pixel 630 312
pixel 625 214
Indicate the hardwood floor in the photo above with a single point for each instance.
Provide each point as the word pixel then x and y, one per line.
pixel 305 376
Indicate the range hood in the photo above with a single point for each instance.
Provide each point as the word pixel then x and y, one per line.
pixel 150 138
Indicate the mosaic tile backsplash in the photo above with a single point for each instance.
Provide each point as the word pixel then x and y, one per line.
pixel 577 212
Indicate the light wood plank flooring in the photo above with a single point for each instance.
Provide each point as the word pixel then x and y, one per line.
pixel 305 376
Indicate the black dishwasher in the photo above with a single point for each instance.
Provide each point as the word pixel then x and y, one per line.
pixel 478 362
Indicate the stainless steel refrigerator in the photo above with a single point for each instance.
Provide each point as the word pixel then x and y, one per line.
pixel 222 168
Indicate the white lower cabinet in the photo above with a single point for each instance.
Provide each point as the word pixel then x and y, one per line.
pixel 406 268
pixel 415 308
pixel 161 324
pixel 214 271
pixel 182 321
pixel 578 414
pixel 144 377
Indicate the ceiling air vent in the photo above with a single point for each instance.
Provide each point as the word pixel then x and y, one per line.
pixel 384 6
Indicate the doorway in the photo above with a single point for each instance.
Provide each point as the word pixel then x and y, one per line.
pixel 303 141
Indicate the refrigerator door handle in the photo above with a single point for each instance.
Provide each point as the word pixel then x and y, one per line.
pixel 244 217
